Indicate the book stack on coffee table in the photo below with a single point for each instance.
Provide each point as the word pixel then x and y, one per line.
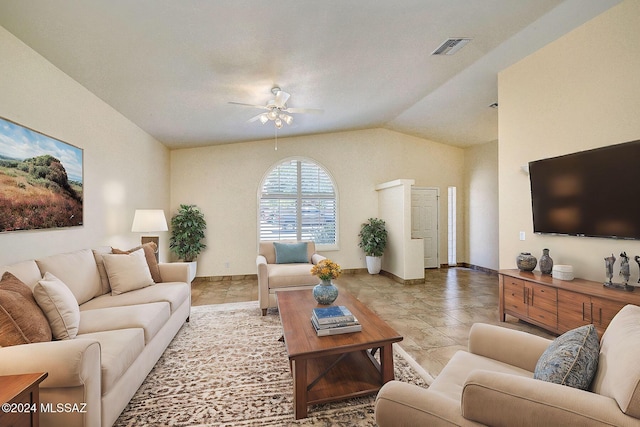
pixel 333 320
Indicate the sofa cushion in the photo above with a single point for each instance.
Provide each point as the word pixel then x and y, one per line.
pixel 286 275
pixel 118 350
pixel 175 293
pixel 150 317
pixel 127 272
pixel 21 320
pixel 59 306
pixel 27 271
pixel 150 249
pixel 78 270
pixel 618 374
pixel 289 253
pixel 571 359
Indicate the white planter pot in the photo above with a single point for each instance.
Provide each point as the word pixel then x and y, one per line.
pixel 374 264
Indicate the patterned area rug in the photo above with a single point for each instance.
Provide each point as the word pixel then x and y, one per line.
pixel 227 368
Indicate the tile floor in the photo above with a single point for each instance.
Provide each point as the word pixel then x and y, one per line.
pixel 434 318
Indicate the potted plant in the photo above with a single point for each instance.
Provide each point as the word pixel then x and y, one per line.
pixel 373 240
pixel 187 233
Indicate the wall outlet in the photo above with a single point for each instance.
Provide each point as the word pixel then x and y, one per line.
pixel 227 265
pixel 522 235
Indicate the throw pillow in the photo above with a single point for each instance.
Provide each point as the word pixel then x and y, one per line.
pixel 59 305
pixel 571 359
pixel 127 272
pixel 289 253
pixel 150 250
pixel 104 278
pixel 21 320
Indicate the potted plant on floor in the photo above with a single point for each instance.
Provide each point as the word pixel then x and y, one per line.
pixel 187 233
pixel 373 240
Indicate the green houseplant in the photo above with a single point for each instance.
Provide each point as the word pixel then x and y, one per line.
pixel 187 233
pixel 373 240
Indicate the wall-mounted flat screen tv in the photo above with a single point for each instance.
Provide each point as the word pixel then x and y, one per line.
pixel 590 193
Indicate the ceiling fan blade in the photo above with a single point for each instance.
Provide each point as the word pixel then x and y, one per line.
pixel 254 118
pixel 248 105
pixel 304 110
pixel 281 98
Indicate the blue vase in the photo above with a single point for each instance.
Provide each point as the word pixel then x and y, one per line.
pixel 325 293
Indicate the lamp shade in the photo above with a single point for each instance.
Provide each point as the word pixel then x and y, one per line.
pixel 146 220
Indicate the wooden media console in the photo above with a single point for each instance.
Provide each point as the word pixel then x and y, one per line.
pixel 559 305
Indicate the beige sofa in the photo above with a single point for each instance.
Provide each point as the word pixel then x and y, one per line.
pixel 273 276
pixel 120 336
pixel 492 384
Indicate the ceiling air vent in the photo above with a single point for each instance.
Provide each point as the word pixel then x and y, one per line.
pixel 451 46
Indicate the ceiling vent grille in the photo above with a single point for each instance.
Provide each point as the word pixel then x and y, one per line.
pixel 451 46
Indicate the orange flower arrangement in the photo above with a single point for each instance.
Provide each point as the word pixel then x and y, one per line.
pixel 326 270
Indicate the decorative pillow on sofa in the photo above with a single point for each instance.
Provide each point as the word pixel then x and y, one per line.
pixel 21 320
pixel 571 359
pixel 127 272
pixel 289 253
pixel 59 305
pixel 104 278
pixel 150 250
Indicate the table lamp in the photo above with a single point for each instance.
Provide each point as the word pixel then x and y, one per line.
pixel 148 221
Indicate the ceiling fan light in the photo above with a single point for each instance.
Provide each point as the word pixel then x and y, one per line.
pixel 287 118
pixel 272 115
pixel 278 123
pixel 263 118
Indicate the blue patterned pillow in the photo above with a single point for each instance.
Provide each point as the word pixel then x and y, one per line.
pixel 288 253
pixel 571 359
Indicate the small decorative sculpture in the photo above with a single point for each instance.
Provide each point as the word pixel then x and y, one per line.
pixel 624 272
pixel 624 269
pixel 609 261
pixel 637 258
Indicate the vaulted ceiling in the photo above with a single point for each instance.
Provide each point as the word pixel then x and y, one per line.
pixel 172 66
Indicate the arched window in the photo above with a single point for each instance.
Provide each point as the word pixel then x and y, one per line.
pixel 298 201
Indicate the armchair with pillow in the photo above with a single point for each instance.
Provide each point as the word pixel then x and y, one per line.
pixel 512 378
pixel 284 265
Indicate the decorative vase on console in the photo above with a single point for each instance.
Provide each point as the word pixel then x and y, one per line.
pixel 526 262
pixel 326 292
pixel 546 262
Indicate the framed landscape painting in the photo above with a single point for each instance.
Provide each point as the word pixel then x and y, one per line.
pixel 40 180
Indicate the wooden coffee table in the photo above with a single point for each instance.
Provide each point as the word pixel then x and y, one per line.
pixel 335 367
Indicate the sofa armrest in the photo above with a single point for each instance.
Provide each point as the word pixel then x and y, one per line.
pixel 506 345
pixel 401 404
pixel 263 275
pixel 500 399
pixel 70 363
pixel 174 271
pixel 316 258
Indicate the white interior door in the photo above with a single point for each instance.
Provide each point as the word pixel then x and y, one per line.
pixel 424 222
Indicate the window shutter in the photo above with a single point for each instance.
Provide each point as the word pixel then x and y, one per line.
pixel 298 201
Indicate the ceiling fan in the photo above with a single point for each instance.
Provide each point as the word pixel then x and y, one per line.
pixel 277 110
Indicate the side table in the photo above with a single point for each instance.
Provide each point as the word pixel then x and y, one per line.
pixel 20 399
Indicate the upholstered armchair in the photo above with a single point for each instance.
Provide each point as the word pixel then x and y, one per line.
pixel 284 265
pixel 493 383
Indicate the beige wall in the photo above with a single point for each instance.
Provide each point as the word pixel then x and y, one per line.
pixel 580 92
pixel 124 168
pixel 481 189
pixel 223 181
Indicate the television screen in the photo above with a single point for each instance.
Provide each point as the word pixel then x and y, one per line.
pixel 590 193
